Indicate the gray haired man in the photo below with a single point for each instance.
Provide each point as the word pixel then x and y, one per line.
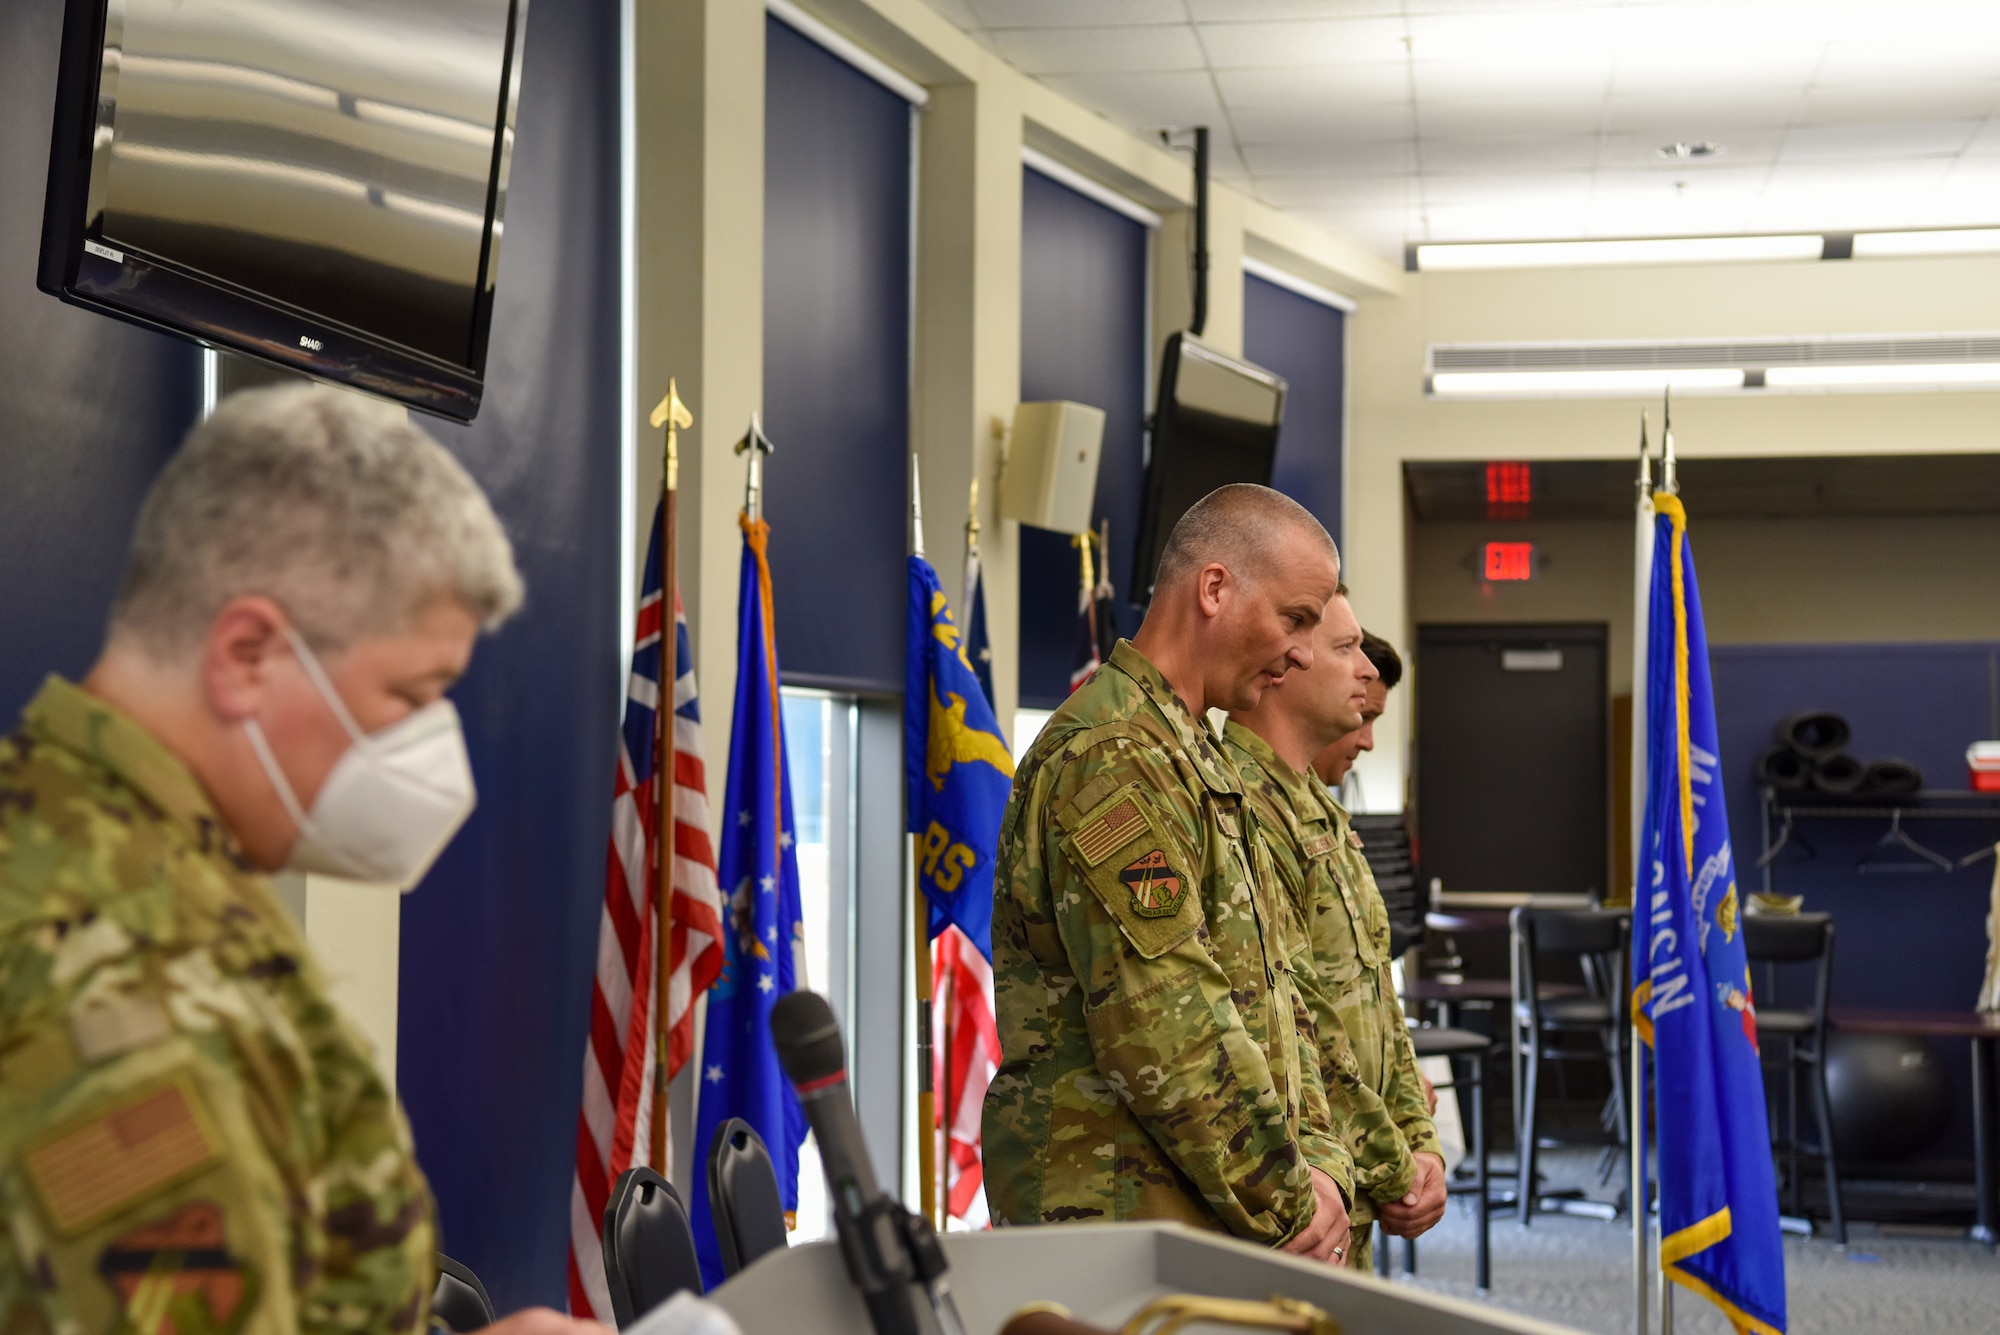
pixel 191 1135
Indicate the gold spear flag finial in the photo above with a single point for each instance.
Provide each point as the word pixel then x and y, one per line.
pixel 672 414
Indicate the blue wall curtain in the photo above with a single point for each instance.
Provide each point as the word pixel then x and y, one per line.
pixel 500 940
pixel 836 365
pixel 1304 341
pixel 89 408
pixel 1083 337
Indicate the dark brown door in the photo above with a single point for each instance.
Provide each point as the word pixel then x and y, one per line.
pixel 1511 757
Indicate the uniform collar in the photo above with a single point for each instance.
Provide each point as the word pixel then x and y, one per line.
pixel 1192 733
pixel 65 715
pixel 1305 796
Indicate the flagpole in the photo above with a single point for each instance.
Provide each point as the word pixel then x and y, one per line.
pixel 1636 1084
pixel 1670 484
pixel 674 416
pixel 927 1155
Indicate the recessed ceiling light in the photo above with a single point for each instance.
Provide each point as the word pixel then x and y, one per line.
pixel 1691 150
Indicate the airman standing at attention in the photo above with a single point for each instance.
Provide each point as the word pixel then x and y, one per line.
pixel 192 1138
pixel 1158 1061
pixel 1379 1098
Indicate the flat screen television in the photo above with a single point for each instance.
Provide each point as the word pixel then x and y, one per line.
pixel 319 183
pixel 1216 422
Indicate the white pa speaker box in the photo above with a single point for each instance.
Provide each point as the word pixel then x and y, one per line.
pixel 1051 478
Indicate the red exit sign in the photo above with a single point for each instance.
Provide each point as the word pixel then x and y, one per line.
pixel 1508 561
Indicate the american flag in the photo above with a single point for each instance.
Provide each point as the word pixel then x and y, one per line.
pixel 966 1061
pixel 614 1128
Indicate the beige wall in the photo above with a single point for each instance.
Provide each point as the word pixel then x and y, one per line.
pixel 1763 581
pixel 1392 421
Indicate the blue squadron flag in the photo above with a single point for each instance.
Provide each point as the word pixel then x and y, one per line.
pixel 1718 1194
pixel 956 765
pixel 762 927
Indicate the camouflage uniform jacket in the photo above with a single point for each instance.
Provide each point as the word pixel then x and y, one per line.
pixel 1371 1081
pixel 192 1139
pixel 1151 1032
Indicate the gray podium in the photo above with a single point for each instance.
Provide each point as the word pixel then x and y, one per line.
pixel 1103 1273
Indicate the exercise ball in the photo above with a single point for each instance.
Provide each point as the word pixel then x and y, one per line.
pixel 1890 1095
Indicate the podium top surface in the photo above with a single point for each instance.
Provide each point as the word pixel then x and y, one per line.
pixel 1103 1273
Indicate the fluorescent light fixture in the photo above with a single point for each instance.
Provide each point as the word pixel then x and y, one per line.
pixel 1645 381
pixel 1904 374
pixel 1955 241
pixel 1585 254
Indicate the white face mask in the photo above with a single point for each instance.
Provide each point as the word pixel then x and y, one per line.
pixel 391 802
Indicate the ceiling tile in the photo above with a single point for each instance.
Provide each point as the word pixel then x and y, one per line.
pixel 1257 11
pixel 1332 156
pixel 1860 143
pixel 1360 121
pixel 1550 153
pixel 1071 14
pixel 1328 85
pixel 1278 45
pixel 1584 80
pixel 1740 148
pixel 1987 141
pixel 1100 50
pixel 1696 114
pixel 1347 191
pixel 1505 118
pixel 1144 101
pixel 1883 100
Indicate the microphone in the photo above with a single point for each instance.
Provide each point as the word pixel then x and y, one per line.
pixel 892 1255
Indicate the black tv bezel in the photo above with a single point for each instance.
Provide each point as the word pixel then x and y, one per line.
pixel 154 292
pixel 1152 534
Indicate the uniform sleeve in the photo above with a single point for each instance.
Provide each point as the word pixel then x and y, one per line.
pixel 138 1194
pixel 1403 1088
pixel 1359 1116
pixel 1164 1027
pixel 1320 1142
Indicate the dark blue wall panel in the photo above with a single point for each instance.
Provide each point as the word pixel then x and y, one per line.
pixel 836 364
pixel 500 940
pixel 89 408
pixel 1305 342
pixel 1901 940
pixel 1083 338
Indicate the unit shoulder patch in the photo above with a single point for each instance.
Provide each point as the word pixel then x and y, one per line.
pixel 1157 889
pixel 175 1275
pixel 87 1171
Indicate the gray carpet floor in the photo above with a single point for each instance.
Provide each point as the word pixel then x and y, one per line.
pixel 1578 1272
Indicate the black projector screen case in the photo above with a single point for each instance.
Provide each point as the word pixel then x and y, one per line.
pixel 319 183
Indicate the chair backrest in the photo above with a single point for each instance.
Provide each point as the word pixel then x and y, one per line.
pixel 649 1251
pixel 1787 938
pixel 743 1196
pixel 460 1300
pixel 1573 931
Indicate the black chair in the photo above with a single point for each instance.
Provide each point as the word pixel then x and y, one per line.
pixel 743 1196
pixel 649 1251
pixel 459 1303
pixel 1798 939
pixel 1469 1053
pixel 1597 939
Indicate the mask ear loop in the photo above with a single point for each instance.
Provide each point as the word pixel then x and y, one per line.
pixel 310 662
pixel 279 783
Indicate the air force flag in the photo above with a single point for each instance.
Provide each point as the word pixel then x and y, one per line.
pixel 1718 1195
pixel 956 766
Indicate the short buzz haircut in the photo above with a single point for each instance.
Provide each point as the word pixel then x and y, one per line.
pixel 1236 526
pixel 333 505
pixel 1388 663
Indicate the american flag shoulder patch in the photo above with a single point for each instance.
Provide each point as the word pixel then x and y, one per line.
pixel 1106 832
pixel 90 1169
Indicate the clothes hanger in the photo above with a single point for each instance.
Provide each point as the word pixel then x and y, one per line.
pixel 1788 837
pixel 1898 837
pixel 1979 855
